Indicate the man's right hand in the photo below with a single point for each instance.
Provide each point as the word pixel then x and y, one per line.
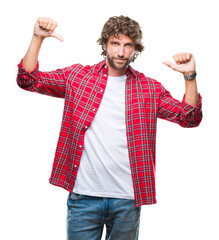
pixel 45 27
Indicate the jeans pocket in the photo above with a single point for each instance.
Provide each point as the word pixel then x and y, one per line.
pixel 74 196
pixel 73 200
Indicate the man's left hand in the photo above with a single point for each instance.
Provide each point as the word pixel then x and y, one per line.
pixel 184 63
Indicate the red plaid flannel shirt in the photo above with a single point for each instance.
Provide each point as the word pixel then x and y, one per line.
pixel 83 88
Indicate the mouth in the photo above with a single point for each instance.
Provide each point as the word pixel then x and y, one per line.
pixel 120 60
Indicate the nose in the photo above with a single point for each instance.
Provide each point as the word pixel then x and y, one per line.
pixel 121 52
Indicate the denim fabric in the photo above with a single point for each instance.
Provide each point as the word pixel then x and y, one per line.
pixel 87 215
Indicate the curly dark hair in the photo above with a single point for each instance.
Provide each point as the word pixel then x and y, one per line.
pixel 121 25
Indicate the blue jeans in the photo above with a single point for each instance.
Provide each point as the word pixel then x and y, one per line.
pixel 87 215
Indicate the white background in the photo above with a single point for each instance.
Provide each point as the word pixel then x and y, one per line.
pixel 187 159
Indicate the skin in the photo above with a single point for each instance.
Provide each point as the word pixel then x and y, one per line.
pixel 43 28
pixel 185 64
pixel 119 54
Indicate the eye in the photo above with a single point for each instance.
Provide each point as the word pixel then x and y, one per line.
pixel 114 43
pixel 129 45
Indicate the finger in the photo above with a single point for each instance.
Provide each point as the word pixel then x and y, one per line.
pixel 180 58
pixel 184 60
pixel 188 56
pixel 53 27
pixel 40 22
pixel 45 23
pixel 48 27
pixel 176 58
pixel 57 35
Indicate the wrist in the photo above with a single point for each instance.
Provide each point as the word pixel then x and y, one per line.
pixel 189 72
pixel 38 38
pixel 190 75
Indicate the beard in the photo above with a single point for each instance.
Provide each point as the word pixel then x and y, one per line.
pixel 119 66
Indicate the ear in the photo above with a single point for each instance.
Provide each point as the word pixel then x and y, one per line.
pixel 132 57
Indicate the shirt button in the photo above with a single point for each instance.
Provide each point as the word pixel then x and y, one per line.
pixel 94 109
pixel 86 127
pixel 101 90
pixel 105 75
pixel 75 166
pixel 80 146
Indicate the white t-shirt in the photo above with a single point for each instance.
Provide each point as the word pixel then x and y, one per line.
pixel 104 169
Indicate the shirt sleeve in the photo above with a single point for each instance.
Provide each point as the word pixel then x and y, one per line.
pixel 179 112
pixel 50 83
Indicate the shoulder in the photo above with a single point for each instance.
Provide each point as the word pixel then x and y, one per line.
pixel 149 85
pixel 145 79
pixel 152 84
pixel 76 68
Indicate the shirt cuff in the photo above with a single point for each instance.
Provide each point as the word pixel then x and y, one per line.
pixel 187 108
pixel 21 68
pixel 26 79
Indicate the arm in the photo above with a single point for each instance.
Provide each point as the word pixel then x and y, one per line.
pixel 191 95
pixel 185 63
pixel 188 112
pixel 29 77
pixel 43 28
pixel 179 112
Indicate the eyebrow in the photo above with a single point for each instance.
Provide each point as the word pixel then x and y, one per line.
pixel 116 41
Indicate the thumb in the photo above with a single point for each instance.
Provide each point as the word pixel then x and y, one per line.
pixel 57 35
pixel 169 64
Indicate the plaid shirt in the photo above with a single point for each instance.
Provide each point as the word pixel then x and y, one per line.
pixel 83 88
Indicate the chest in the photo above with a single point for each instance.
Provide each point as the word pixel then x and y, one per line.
pixel 85 95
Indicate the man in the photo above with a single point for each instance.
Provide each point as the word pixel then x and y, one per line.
pixel 105 155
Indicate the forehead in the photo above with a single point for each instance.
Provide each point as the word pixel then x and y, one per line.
pixel 121 38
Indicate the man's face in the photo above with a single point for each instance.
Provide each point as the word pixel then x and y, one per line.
pixel 120 51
